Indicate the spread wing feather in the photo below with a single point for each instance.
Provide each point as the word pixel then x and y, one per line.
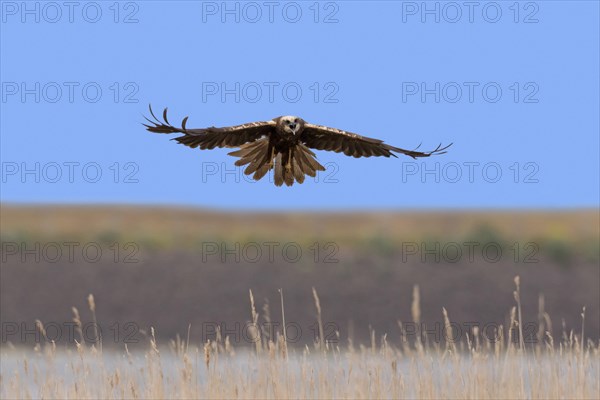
pixel 297 169
pixel 249 152
pixel 209 138
pixel 351 144
pixel 309 163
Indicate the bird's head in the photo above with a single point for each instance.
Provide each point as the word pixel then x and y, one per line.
pixel 290 124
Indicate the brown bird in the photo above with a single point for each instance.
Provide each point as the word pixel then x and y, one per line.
pixel 284 143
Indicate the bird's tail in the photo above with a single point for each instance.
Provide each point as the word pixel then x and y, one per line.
pixel 288 166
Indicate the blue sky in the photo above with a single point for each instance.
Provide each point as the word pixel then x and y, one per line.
pixel 515 87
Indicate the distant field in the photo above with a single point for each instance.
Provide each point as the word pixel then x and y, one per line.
pixel 169 268
pixel 178 223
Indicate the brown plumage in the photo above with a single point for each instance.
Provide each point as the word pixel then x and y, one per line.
pixel 282 144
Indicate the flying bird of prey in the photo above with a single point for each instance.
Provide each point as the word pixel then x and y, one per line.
pixel 283 144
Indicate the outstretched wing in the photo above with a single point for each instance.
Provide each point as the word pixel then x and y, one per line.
pixel 209 138
pixel 331 139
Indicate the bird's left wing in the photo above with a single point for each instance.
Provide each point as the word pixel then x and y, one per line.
pixel 351 144
pixel 209 138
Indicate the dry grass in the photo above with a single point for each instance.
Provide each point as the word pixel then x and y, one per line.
pixel 475 368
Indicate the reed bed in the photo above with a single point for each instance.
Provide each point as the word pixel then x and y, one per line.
pixel 474 368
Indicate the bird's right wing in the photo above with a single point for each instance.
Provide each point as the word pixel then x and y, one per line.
pixel 209 138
